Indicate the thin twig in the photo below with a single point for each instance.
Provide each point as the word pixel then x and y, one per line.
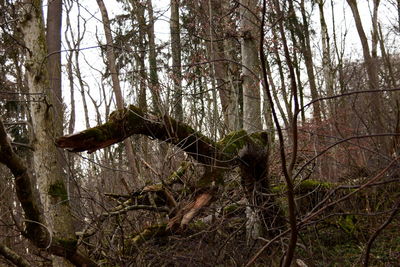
pixel 371 240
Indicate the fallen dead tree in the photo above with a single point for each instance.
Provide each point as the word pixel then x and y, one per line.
pixel 248 152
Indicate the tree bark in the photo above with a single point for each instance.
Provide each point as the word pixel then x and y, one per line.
pixel 176 60
pixel 45 124
pixel 219 51
pixel 305 46
pixel 249 24
pixel 13 257
pixel 326 57
pixel 36 227
pixel 374 114
pixel 154 83
pixel 140 57
pixel 53 37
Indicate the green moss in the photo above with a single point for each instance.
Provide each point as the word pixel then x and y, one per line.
pixel 233 142
pixel 311 185
pixel 178 174
pixel 308 194
pixel 304 187
pixel 95 133
pixel 159 230
pixel 134 114
pixel 57 190
pixel 278 189
pixel 348 223
pixel 260 138
pixel 204 181
pixel 231 208
pixel 198 225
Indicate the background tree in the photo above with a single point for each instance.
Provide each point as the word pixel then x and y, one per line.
pixel 116 84
pixel 176 60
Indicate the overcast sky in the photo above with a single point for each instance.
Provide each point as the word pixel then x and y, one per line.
pixel 89 10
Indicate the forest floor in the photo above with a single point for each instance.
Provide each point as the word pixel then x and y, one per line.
pixel 336 246
pixel 338 238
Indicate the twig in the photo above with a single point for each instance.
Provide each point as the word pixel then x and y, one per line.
pixel 349 94
pixel 377 232
pixel 314 214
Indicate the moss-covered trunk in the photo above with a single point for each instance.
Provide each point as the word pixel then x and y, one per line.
pixel 249 152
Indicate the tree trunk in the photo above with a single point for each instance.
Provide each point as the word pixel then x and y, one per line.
pixel 53 37
pixel 375 123
pixel 140 57
pixel 176 60
pixel 326 58
pixel 233 72
pixel 219 51
pixel 154 83
pixel 305 44
pixel 46 124
pixel 251 65
pixel 116 85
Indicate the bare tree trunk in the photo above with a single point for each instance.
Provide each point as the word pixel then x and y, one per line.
pixel 82 88
pixel 154 83
pixel 176 60
pixel 46 125
pixel 140 59
pixel 398 13
pixel 284 91
pixel 250 32
pixel 275 96
pixel 53 37
pixel 75 46
pixel 369 61
pixel 70 74
pixel 390 77
pixel 251 65
pixel 308 60
pixel 219 50
pixel 233 72
pixel 374 115
pixel 140 56
pixel 116 85
pixel 326 57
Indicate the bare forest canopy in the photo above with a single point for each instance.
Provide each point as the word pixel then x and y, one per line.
pixel 218 133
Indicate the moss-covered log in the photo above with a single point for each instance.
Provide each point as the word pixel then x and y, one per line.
pixel 249 152
pixel 132 120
